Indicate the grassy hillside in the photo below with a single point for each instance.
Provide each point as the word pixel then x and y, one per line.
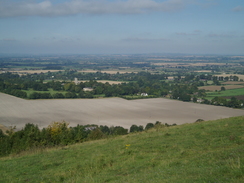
pixel 211 151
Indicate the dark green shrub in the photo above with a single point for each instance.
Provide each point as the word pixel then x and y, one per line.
pixel 135 128
pixel 149 125
pixel 96 134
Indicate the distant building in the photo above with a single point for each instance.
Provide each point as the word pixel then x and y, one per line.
pixel 90 128
pixel 76 81
pixel 144 94
pixel 200 100
pixel 87 89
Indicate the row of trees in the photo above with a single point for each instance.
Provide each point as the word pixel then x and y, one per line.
pixel 220 101
pixel 145 83
pixel 56 134
pixel 59 134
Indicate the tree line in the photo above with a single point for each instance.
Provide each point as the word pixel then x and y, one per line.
pixel 144 82
pixel 60 134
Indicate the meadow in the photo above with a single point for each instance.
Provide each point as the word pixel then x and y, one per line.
pixel 226 93
pixel 50 90
pixel 210 151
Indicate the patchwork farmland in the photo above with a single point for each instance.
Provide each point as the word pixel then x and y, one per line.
pixel 113 111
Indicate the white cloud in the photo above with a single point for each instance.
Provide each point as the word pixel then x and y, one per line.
pixel 136 39
pixel 73 7
pixel 238 8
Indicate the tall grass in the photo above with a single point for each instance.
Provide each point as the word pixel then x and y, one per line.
pixel 210 151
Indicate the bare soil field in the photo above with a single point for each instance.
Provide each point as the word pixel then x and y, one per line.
pixel 227 87
pixel 112 111
pixel 239 97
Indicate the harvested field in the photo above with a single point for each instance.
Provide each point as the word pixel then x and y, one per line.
pixel 203 71
pixel 112 111
pixel 233 83
pixel 238 75
pixel 108 71
pixel 227 87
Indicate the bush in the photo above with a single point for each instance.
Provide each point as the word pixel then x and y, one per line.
pixel 96 134
pixel 149 125
pixel 199 120
pixel 135 128
pixel 118 130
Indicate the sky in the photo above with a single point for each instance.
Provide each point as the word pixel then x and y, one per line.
pixel 122 26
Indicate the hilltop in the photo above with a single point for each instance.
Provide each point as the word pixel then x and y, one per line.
pixel 209 151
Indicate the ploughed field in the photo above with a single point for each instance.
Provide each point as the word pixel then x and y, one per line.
pixel 111 111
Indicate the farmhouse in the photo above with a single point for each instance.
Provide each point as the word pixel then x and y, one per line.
pixel 87 89
pixel 199 100
pixel 144 94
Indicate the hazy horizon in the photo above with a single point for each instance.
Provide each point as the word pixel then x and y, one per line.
pixel 122 27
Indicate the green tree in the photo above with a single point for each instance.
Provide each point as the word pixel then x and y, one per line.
pixel 135 128
pixel 96 134
pixel 222 88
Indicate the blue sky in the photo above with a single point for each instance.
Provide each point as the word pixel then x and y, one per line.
pixel 122 26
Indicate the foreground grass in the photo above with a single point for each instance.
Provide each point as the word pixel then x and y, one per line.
pixel 210 151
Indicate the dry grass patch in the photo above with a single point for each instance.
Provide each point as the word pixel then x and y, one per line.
pixel 3 128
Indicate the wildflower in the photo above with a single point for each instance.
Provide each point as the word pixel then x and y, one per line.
pixel 127 146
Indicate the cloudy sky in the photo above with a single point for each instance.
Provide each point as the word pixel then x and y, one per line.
pixel 122 26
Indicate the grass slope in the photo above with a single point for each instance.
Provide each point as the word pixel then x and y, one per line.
pixel 211 151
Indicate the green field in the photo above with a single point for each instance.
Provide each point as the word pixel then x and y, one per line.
pixel 211 151
pixel 232 92
pixel 50 90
